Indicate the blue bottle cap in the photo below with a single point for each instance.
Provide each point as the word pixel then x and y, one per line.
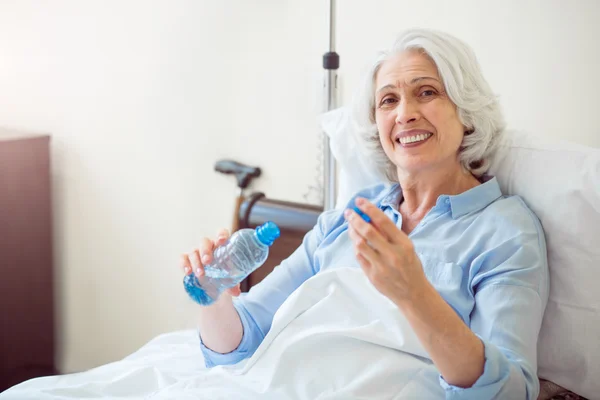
pixel 267 233
pixel 362 214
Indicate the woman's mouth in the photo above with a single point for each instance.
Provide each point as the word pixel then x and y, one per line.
pixel 413 140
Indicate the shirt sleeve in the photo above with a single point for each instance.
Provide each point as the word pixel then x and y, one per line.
pixel 510 286
pixel 257 307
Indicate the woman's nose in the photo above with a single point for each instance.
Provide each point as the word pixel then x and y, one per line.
pixel 407 112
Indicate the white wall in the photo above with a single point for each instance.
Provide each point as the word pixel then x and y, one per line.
pixel 143 97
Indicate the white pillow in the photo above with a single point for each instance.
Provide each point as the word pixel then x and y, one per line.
pixel 354 172
pixel 560 182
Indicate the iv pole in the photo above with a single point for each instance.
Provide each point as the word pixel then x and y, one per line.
pixel 331 63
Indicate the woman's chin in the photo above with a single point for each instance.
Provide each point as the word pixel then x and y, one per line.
pixel 413 165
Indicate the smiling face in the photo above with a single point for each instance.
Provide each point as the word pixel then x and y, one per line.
pixel 419 128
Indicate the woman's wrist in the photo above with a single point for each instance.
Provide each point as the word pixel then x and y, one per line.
pixel 457 353
pixel 418 298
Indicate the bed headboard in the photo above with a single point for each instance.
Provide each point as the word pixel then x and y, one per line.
pixel 293 219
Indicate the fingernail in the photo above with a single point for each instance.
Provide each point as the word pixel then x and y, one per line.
pixel 360 201
pixel 205 258
pixel 347 213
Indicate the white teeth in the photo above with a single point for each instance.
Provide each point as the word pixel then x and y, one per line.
pixel 416 138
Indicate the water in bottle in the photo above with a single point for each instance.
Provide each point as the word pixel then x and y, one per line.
pixel 245 251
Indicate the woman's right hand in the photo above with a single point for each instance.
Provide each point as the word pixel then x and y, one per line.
pixel 195 261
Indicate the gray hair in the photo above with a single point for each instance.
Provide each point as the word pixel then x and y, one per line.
pixel 478 107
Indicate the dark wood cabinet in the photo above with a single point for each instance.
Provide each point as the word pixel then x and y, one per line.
pixel 27 328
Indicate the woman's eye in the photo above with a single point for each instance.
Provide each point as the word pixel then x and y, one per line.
pixel 427 93
pixel 388 101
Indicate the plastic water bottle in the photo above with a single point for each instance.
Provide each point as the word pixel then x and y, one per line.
pixel 245 251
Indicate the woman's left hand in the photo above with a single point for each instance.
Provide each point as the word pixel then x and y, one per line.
pixel 386 254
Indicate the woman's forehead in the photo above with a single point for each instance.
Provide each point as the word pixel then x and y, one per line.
pixel 405 68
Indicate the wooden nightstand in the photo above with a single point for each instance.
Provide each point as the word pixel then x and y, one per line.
pixel 26 270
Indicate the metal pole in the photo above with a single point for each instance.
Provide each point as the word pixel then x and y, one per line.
pixel 331 62
pixel 331 25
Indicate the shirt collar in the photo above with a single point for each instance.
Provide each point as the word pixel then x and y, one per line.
pixel 472 200
pixel 392 197
pixel 475 199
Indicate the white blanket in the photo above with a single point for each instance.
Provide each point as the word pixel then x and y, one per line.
pixel 335 337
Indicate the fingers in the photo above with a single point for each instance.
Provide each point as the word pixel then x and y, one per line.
pixel 367 231
pixel 203 255
pixel 185 263
pixel 364 264
pixel 365 254
pixel 206 249
pixel 379 220
pixel 223 233
pixel 222 237
pixel 195 259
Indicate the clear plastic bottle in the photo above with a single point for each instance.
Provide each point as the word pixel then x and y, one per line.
pixel 245 251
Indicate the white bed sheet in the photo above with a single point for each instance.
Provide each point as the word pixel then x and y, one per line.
pixel 335 337
pixel 163 361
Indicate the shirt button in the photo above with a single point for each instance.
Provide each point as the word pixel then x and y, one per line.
pixel 447 201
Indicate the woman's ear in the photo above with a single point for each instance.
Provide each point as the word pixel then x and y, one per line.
pixel 475 164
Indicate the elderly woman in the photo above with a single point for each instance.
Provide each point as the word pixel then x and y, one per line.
pixel 464 264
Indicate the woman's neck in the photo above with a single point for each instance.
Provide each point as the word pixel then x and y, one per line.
pixel 421 190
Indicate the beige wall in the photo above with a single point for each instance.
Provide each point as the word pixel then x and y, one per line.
pixel 141 99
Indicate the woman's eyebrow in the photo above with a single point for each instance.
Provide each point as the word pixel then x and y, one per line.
pixel 423 78
pixel 412 82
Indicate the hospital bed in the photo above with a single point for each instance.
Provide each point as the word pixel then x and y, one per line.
pixel 560 181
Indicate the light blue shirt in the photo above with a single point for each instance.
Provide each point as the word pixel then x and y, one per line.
pixel 485 253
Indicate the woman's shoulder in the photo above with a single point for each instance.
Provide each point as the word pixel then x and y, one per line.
pixel 511 215
pixel 512 241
